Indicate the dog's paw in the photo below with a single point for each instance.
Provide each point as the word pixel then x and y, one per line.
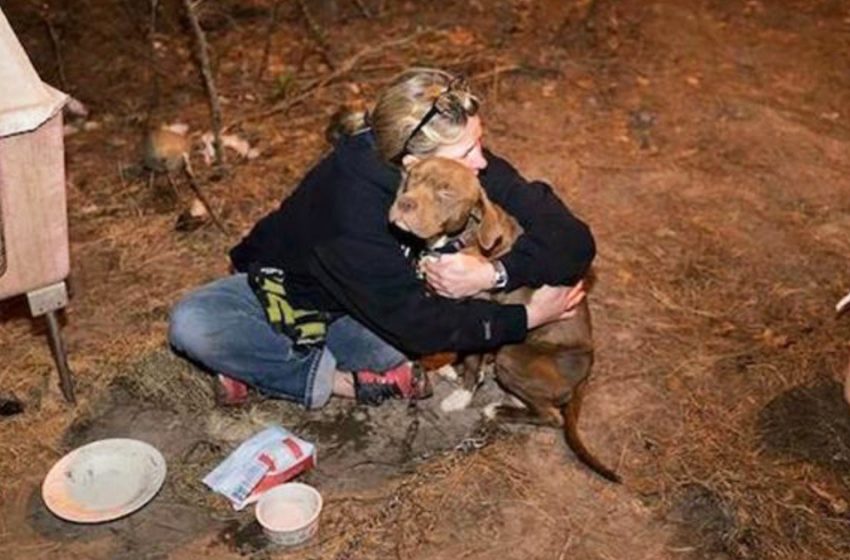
pixel 490 411
pixel 487 369
pixel 457 400
pixel 448 372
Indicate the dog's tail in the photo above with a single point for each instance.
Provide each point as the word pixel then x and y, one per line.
pixel 570 411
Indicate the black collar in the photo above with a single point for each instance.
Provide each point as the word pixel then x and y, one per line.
pixel 456 243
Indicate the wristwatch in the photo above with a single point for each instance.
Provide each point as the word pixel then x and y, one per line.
pixel 501 277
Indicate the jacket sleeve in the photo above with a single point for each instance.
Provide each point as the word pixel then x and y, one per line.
pixel 369 275
pixel 556 248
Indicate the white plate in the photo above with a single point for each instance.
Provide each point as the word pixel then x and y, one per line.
pixel 103 480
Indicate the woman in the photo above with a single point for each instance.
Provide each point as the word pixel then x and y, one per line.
pixel 326 299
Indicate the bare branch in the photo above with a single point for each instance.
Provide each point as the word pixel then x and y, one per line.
pixel 47 18
pixel 347 66
pixel 152 75
pixel 196 188
pixel 202 52
pixel 318 34
pixel 361 5
pixel 267 48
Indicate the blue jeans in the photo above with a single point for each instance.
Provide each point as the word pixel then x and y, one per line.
pixel 223 327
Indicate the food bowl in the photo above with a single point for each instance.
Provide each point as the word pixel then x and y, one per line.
pixel 103 480
pixel 289 513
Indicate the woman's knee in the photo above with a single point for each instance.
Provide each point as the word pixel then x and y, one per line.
pixel 200 321
pixel 188 326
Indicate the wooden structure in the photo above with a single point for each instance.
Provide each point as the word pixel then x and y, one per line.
pixel 34 254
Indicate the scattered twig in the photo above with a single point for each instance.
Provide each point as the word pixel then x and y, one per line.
pixel 620 168
pixel 118 38
pixel 843 305
pixel 47 18
pixel 497 71
pixel 364 9
pixel 567 544
pixel 318 34
pixel 130 12
pixel 121 176
pixel 153 76
pixel 193 184
pixel 588 22
pixel 347 66
pixel 362 499
pixel 173 185
pixel 671 305
pixel 209 83
pixel 264 61
pixel 152 27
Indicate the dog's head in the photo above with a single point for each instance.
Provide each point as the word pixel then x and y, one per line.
pixel 439 196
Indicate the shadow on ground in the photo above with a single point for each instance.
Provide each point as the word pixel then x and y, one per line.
pixel 165 402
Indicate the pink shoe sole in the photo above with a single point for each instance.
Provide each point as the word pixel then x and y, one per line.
pixel 231 392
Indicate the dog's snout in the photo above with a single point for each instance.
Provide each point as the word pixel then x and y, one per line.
pixel 406 204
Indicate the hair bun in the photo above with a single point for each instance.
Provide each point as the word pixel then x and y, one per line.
pixel 434 91
pixel 347 120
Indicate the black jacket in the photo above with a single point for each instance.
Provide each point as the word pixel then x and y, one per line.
pixel 333 239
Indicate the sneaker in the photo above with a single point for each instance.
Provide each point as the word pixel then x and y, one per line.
pixel 406 381
pixel 230 391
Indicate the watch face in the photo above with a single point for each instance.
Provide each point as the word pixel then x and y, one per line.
pixel 501 275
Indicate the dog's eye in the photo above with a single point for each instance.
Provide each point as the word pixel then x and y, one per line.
pixel 445 193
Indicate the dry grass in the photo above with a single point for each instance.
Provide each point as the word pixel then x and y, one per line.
pixel 401 520
pixel 748 499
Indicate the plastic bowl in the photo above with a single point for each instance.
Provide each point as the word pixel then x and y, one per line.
pixel 289 513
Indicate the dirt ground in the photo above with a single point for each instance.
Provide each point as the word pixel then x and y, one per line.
pixel 707 143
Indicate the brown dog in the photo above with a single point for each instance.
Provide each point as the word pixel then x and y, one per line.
pixel 441 198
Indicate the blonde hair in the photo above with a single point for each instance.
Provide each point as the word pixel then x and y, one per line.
pixel 400 119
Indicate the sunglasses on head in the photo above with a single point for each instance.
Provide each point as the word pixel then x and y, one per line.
pixel 448 104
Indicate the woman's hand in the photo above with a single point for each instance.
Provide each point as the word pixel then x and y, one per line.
pixel 553 303
pixel 458 275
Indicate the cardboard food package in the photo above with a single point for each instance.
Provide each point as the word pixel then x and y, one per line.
pixel 267 459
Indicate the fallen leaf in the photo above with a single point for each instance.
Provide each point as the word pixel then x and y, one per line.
pixel 773 339
pixel 461 37
pixel 177 128
pixel 837 505
pixel 229 141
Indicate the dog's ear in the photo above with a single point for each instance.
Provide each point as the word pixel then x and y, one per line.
pixel 490 230
pixel 404 178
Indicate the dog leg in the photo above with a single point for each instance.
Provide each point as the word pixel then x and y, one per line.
pixel 460 398
pixel 517 415
pixel 448 372
pixel 487 367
